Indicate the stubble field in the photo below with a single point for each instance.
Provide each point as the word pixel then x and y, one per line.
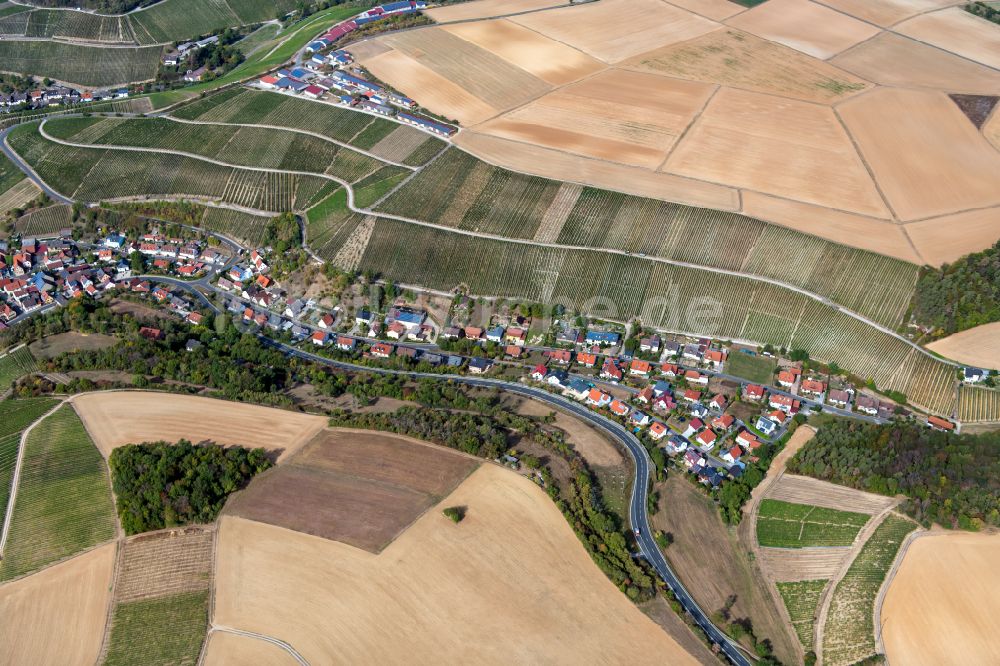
pixel 806 26
pixel 979 346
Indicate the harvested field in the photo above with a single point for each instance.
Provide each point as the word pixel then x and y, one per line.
pixel 513 559
pixel 979 346
pixel 958 31
pixel 54 345
pixel 800 564
pixel 225 649
pixel 948 169
pixel 599 28
pixel 741 60
pixel 126 417
pixel 992 130
pixel 806 490
pixel 659 611
pixel 488 77
pixel 716 10
pixel 553 62
pixel 482 9
pixel 949 237
pixel 57 616
pixel 946 592
pixel 706 551
pixel 804 26
pixel 429 88
pixel 884 12
pixel 563 166
pixel 360 488
pixel 894 60
pixel 588 119
pixel 777 146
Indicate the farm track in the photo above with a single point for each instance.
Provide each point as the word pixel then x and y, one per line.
pixel 261 637
pixel 519 241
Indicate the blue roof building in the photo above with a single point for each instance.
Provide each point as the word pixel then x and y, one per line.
pixel 606 338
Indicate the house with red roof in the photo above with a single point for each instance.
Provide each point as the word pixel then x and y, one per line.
pixel 610 370
pixel 639 368
pixel 645 396
pixel 657 430
pixel 619 408
pixel 724 422
pixel 319 338
pixel 706 438
pixel 381 350
pixel 937 423
pixel 719 402
pixel 785 403
pixel 538 374
pixel 326 321
pixel 345 343
pixel 670 370
pixel 598 398
pixel 813 387
pixel 747 439
pixel 691 395
pixel 695 377
pixel 587 359
pixel 732 455
pixel 560 356
pixel 716 358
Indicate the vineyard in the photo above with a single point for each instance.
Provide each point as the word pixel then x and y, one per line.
pixel 15 364
pixel 377 185
pixel 15 416
pixel 665 296
pixel 787 525
pixel 977 403
pixel 161 597
pixel 45 222
pixel 454 190
pixel 802 601
pixel 166 21
pixel 329 225
pixel 246 227
pixel 849 633
pixel 254 107
pixel 76 64
pixel 63 503
pixel 93 174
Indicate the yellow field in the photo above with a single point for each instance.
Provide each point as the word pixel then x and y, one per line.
pixel 804 26
pixel 509 584
pixel 943 606
pixel 57 615
pixel 949 237
pixel 131 417
pixel 884 12
pixel 487 9
pixel 225 649
pixel 979 346
pixel 958 31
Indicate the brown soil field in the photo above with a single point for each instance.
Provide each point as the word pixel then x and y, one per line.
pixel 588 118
pixel 949 237
pixel 741 60
pixel 54 345
pixel 894 60
pixel 137 310
pixel 563 166
pixel 979 346
pixel 357 487
pixel 225 649
pixel 804 26
pixel 795 564
pixel 884 12
pixel 589 442
pixel 126 417
pixel 549 60
pixel 858 231
pixel 509 584
pixel 428 87
pixel 713 564
pixel 716 10
pixel 949 169
pixel 165 563
pixel 659 611
pixel 57 615
pixel 958 31
pixel 943 605
pixel 487 76
pixel 603 29
pixel 481 9
pixel 806 490
pixel 777 146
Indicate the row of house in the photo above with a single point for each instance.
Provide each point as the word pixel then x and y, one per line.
pixel 56 96
pixel 372 15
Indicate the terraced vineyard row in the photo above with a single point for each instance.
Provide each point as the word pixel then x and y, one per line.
pixel 243 146
pixel 88 66
pixel 849 632
pixel 977 403
pixel 46 221
pixel 802 602
pixel 449 190
pixel 255 107
pixel 63 503
pixel 94 174
pixel 15 364
pixel 246 227
pixel 786 525
pixel 166 21
pixel 669 297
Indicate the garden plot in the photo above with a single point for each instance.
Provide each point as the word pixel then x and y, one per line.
pixel 786 525
pixel 802 600
pixel 958 31
pixel 608 30
pixel 63 504
pixel 741 60
pixel 777 146
pixel 588 118
pixel 805 26
pixel 938 178
pixel 849 632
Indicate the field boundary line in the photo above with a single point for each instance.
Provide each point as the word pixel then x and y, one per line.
pixel 16 477
pixel 112 604
pixel 883 589
pixel 261 637
pixel 519 241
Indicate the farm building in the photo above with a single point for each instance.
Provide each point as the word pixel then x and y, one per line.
pixel 430 126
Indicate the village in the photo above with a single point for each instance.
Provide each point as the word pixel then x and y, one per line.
pixel 56 96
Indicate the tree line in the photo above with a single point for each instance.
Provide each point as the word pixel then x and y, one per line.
pixel 961 295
